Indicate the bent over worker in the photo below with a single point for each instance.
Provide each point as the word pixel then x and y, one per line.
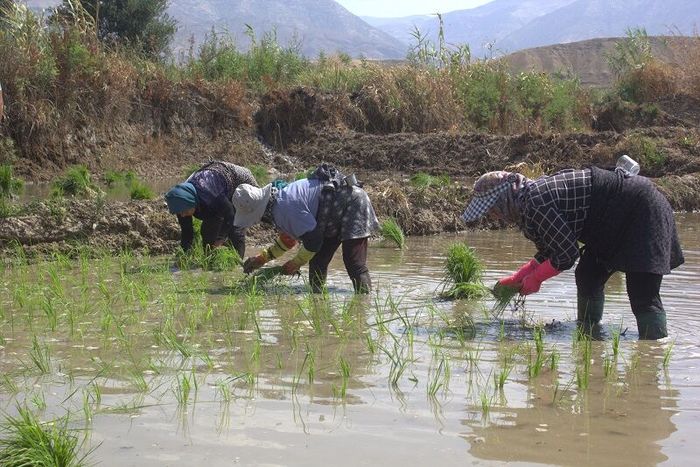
pixel 207 195
pixel 322 212
pixel 623 221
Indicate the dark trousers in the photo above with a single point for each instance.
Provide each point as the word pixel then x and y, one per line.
pixel 642 290
pixel 213 230
pixel 354 257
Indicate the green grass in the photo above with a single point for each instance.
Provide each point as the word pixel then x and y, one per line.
pixel 424 180
pixel 462 277
pixel 140 190
pixel 391 231
pixel 9 185
pixel 260 174
pixel 76 181
pixel 26 441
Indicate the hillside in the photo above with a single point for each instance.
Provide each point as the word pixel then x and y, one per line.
pixel 318 25
pixel 586 59
pixel 511 25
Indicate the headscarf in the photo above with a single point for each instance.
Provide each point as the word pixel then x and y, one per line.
pixel 181 198
pixel 497 192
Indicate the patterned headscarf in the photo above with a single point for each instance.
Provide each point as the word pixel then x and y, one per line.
pixel 497 192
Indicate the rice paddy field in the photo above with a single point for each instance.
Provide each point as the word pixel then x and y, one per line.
pixel 140 363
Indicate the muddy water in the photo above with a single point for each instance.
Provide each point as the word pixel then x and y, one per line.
pixel 397 378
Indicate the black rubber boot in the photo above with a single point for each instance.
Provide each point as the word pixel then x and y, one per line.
pixel 590 309
pixel 362 283
pixel 652 325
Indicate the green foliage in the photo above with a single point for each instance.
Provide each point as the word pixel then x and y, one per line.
pixel 424 180
pixel 141 24
pixel 113 178
pixel 76 181
pixel 260 174
pixel 390 230
pixel 140 190
pixel 462 273
pixel 630 54
pixel 265 64
pixel 28 441
pixel 647 152
pixel 9 185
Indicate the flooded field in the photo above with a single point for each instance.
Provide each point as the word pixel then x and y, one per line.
pixel 156 367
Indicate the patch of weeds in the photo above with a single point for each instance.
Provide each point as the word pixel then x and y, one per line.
pixel 462 274
pixel 140 190
pixel 9 184
pixel 424 180
pixel 260 174
pixel 76 181
pixel 391 231
pixel 28 441
pixel 113 178
pixel 647 151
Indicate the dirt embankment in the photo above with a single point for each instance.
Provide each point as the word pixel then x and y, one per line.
pixel 191 125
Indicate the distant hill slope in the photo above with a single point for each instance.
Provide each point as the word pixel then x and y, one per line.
pixel 588 19
pixel 586 59
pixel 319 25
pixel 510 25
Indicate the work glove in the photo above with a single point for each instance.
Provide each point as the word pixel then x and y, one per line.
pixel 533 281
pixel 255 262
pixel 515 279
pixel 302 257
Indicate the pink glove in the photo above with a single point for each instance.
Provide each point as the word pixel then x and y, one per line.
pixel 542 272
pixel 516 278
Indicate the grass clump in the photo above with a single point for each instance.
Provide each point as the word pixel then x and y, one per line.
pixel 424 180
pixel 9 185
pixel 76 181
pixel 260 174
pixel 391 231
pixel 27 441
pixel 462 274
pixel 504 295
pixel 140 190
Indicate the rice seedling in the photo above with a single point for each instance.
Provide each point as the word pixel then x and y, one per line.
pixel 423 180
pixel 440 377
pixel 183 389
pixel 617 332
pixel 667 354
pixel 391 231
pixel 38 400
pixel 501 376
pixel 28 441
pixel 260 173
pixel 583 368
pixel 554 360
pixel 608 365
pixel 486 401
pixel 504 295
pixel 462 277
pixel 8 384
pixel 139 191
pixel 40 356
pixel 76 181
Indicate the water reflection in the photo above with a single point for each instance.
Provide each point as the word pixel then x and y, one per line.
pixel 620 421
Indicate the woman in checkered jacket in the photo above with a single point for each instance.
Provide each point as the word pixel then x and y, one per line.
pixel 624 223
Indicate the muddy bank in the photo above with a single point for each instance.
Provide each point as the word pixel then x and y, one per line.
pixel 146 226
pixel 661 151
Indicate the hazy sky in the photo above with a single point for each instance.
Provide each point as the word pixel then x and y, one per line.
pixel 398 8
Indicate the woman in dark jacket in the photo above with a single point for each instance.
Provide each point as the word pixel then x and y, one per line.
pixel 320 212
pixel 623 221
pixel 206 195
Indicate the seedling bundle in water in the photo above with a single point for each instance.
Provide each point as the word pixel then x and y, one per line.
pixel 259 277
pixel 462 274
pixel 504 295
pixel 391 231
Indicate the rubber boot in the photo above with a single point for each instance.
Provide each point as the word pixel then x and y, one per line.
pixel 651 325
pixel 362 283
pixel 590 309
pixel 590 312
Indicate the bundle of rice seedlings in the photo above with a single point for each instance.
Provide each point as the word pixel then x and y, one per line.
pixel 504 295
pixel 391 231
pixel 222 259
pixel 258 278
pixel 27 441
pixel 462 274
